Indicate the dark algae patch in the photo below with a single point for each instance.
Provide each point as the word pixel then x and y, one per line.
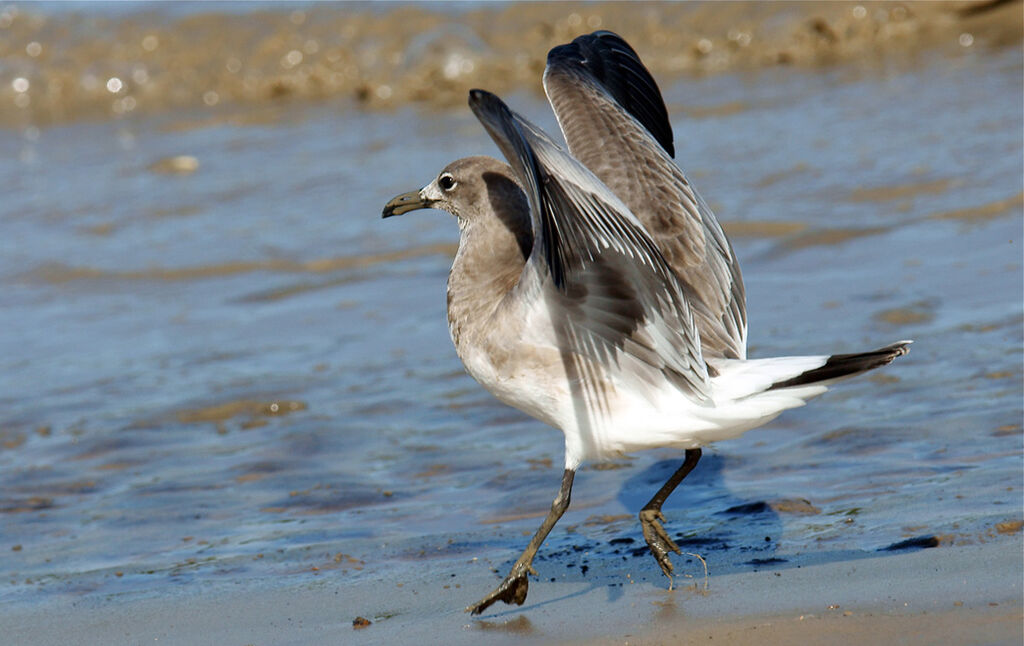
pixel 916 543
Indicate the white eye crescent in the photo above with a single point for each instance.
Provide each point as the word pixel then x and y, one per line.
pixel 446 182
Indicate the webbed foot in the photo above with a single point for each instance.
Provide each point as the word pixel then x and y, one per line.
pixel 658 539
pixel 512 590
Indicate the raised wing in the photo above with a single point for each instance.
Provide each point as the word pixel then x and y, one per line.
pixel 616 68
pixel 614 121
pixel 610 291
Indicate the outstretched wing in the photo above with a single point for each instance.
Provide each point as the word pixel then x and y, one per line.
pixel 608 288
pixel 615 122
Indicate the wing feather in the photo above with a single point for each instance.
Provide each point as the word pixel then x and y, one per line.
pixel 602 273
pixel 614 121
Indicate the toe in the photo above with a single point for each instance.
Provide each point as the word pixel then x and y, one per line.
pixel 512 590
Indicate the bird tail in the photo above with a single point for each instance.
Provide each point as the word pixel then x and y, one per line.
pixel 839 366
pixel 752 392
pixel 801 377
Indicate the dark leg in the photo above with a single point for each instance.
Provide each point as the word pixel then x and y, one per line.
pixel 651 517
pixel 513 588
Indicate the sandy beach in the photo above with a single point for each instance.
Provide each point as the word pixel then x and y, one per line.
pixel 949 595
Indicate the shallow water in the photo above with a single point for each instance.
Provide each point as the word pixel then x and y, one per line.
pixel 219 365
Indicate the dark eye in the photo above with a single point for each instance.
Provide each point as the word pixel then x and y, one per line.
pixel 446 182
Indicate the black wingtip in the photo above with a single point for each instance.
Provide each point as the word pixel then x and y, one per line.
pixel 476 95
pixel 615 65
pixel 486 106
pixel 483 101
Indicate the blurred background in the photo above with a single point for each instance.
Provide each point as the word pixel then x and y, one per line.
pixel 217 363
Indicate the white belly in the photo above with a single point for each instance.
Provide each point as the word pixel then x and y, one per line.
pixel 615 413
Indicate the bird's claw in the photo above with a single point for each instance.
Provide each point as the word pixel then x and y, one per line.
pixel 657 539
pixel 512 590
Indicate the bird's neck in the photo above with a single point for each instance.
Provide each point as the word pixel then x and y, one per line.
pixel 487 266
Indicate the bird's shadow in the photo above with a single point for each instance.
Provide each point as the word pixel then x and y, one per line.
pixel 514 611
pixel 732 534
pixel 702 515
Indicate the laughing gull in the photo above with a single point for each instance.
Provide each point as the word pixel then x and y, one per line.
pixel 596 291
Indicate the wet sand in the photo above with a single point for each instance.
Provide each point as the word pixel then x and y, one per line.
pixel 950 595
pixel 78 64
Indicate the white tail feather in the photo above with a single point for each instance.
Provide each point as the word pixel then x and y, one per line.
pixel 742 378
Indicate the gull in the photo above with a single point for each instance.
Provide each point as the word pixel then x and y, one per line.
pixel 595 290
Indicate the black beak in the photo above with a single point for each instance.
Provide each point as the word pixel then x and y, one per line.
pixel 404 203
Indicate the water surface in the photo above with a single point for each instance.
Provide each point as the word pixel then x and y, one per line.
pixel 219 365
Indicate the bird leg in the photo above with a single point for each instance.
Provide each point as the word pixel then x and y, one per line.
pixel 513 589
pixel 651 517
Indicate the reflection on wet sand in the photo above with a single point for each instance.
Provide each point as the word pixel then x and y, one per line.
pixel 794 236
pixel 762 228
pixel 254 412
pixel 915 314
pixel 900 191
pixel 1000 208
pixel 56 273
pixel 520 625
pixel 177 165
pixel 828 237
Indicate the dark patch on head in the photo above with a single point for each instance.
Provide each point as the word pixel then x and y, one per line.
pixel 509 203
